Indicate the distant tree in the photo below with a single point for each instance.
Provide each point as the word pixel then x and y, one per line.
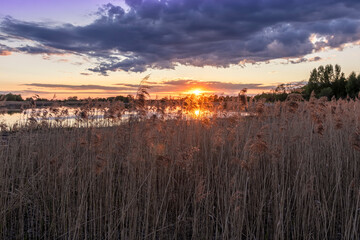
pixel 11 97
pixel 42 100
pixel 110 99
pixel 323 79
pixel 122 99
pixel 328 81
pixel 353 85
pixel 272 96
pixel 326 92
pixel 280 93
pixel 326 75
pixel 339 84
pixel 73 98
pixel 313 84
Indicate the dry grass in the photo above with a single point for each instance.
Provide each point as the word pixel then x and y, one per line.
pixel 292 171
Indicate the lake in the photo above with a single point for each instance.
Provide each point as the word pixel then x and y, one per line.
pixel 78 117
pixel 62 116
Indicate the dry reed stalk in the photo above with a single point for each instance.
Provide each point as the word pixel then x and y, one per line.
pixel 355 140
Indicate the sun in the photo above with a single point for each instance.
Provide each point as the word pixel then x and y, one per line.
pixel 197 112
pixel 197 92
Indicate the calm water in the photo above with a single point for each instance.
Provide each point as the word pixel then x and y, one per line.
pixel 69 116
pixel 65 116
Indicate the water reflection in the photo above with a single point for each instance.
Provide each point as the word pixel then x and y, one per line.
pixel 78 117
pixel 63 115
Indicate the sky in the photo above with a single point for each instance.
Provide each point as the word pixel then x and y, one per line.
pixel 102 48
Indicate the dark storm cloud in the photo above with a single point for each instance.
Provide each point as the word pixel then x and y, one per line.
pixel 163 33
pixel 2 37
pixel 40 50
pixel 79 87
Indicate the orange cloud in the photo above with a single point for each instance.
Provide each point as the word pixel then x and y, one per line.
pixel 5 53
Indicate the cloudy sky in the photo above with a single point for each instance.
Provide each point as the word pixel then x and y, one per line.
pixel 104 47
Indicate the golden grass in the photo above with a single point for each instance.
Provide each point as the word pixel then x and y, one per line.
pixel 289 171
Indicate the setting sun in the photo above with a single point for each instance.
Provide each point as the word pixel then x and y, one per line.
pixel 197 92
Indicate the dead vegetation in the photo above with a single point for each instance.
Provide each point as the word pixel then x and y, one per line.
pixel 287 171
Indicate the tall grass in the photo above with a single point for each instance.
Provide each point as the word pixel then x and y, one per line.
pixel 288 171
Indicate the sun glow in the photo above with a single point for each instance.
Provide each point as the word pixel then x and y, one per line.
pixel 197 92
pixel 197 112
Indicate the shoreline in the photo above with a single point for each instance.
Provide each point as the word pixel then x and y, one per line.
pixel 18 106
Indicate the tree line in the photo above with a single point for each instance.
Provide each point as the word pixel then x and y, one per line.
pixel 18 97
pixel 11 97
pixel 325 81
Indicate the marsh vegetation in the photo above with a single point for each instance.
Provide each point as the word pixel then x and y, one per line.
pixel 289 170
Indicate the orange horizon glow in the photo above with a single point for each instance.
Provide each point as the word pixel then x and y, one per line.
pixel 153 95
pixel 178 91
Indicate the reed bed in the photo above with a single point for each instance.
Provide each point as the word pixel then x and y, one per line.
pixel 289 170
